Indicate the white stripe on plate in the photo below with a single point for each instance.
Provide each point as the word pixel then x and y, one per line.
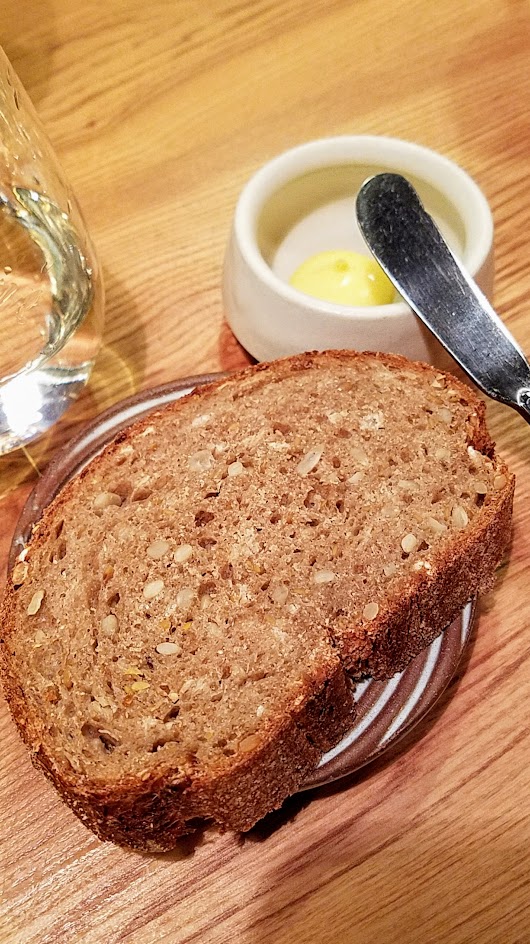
pixel 129 413
pixel 368 719
pixel 466 620
pixel 417 691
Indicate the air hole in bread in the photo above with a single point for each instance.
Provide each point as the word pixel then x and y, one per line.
pixel 173 713
pixel 280 427
pixel 122 488
pixel 108 740
pixel 59 551
pixel 203 517
pixel 158 745
pixel 94 732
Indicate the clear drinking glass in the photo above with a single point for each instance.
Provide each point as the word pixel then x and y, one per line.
pixel 51 295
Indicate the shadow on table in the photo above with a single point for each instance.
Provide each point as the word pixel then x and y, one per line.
pixel 404 860
pixel 295 804
pixel 276 821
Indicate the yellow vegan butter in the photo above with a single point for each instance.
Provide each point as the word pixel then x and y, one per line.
pixel 345 278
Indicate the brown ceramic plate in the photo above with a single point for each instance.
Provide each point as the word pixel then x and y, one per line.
pixel 386 710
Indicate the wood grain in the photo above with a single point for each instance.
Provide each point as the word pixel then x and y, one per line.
pixel 159 113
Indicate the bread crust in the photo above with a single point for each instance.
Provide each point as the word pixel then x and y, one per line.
pixel 150 813
pixel 405 630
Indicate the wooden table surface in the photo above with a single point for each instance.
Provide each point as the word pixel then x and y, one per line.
pixel 159 113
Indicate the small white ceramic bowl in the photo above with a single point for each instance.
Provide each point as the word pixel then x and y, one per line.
pixel 303 202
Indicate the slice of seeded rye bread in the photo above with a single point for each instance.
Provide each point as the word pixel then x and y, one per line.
pixel 178 642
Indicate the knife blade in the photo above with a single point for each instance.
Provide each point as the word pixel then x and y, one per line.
pixel 410 248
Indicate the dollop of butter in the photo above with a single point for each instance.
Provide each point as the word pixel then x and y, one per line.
pixel 345 278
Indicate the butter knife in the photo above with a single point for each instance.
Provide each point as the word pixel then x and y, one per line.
pixel 408 245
